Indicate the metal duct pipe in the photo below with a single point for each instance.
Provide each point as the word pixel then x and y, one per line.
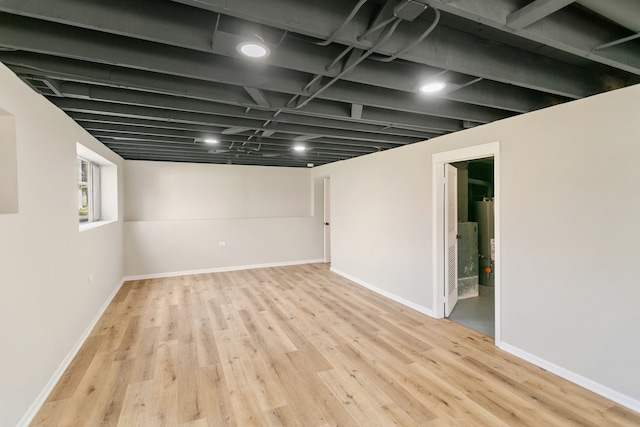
pixel 623 12
pixel 364 56
pixel 377 27
pixel 348 19
pixel 486 236
pixel 415 43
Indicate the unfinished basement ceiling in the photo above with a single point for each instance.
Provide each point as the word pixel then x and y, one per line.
pixel 152 79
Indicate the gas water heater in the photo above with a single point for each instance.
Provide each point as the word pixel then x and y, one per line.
pixel 486 246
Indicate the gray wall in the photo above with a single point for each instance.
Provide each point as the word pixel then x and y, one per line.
pixel 177 214
pixel 569 205
pixel 569 212
pixel 46 300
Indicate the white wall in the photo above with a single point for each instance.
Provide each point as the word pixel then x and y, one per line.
pixel 380 221
pixel 8 164
pixel 46 302
pixel 570 233
pixel 570 205
pixel 177 214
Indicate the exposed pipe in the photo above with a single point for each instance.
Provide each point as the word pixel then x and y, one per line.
pixel 344 52
pixel 617 42
pixel 215 31
pixel 284 35
pixel 376 28
pixel 364 56
pixel 355 10
pixel 288 104
pixel 327 68
pixel 415 43
pixel 313 80
pixel 335 61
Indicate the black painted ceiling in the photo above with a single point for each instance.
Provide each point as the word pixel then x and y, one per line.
pixel 152 79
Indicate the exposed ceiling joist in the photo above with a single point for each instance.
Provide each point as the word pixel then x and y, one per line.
pixel 306 62
pixel 141 55
pixel 140 126
pixel 152 79
pixel 623 12
pixel 356 111
pixel 447 48
pixel 535 11
pixel 122 78
pixel 233 131
pixel 155 127
pixel 108 108
pixel 566 30
pixel 97 93
pixel 258 96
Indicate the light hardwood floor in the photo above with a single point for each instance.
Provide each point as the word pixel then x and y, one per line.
pixel 300 346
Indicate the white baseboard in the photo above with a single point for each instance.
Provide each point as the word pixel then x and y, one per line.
pixel 221 269
pixel 600 389
pixel 595 387
pixel 391 296
pixel 37 404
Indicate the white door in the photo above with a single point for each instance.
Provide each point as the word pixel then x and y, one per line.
pixel 450 238
pixel 327 220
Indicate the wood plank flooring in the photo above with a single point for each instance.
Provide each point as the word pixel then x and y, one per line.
pixel 300 346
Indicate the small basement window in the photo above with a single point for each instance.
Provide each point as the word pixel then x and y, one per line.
pixel 89 192
pixel 97 189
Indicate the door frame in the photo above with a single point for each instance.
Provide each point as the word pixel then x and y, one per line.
pixel 438 161
pixel 326 218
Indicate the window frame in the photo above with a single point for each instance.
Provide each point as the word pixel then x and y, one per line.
pixel 106 194
pixel 94 191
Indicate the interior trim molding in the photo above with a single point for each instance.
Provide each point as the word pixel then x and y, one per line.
pixel 48 388
pixel 417 307
pixel 221 269
pixel 587 383
pixel 438 161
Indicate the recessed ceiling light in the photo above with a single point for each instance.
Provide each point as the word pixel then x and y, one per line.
pixel 432 87
pixel 310 165
pixel 299 147
pixel 211 141
pixel 253 49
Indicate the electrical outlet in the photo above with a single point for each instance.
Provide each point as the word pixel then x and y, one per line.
pixel 222 243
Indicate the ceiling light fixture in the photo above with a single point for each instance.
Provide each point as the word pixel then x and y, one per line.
pixel 255 48
pixel 432 87
pixel 299 147
pixel 211 141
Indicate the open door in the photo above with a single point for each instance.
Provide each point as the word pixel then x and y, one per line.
pixel 450 238
pixel 444 235
pixel 327 220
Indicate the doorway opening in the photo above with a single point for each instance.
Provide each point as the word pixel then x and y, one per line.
pixel 475 240
pixel 479 169
pixel 327 219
